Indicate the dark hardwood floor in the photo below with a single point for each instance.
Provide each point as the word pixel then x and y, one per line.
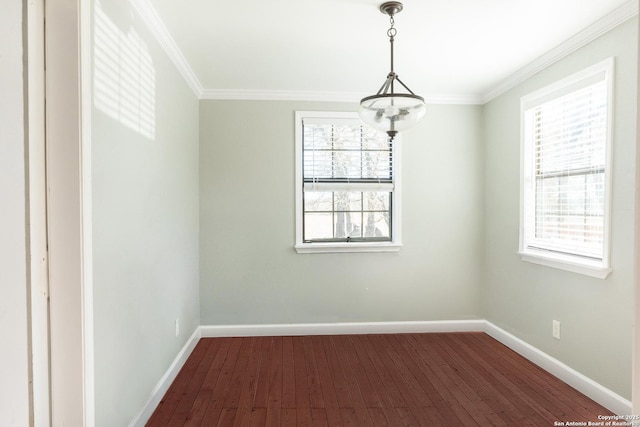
pixel 459 379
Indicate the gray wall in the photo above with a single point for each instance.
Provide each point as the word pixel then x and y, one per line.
pixel 145 212
pixel 250 272
pixel 523 298
pixel 14 375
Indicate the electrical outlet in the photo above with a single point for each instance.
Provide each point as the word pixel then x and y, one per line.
pixel 556 329
pixel 177 326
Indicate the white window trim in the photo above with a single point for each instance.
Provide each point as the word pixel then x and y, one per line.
pixel 341 247
pixel 575 263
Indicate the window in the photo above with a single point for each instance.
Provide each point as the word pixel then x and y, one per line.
pixel 566 139
pixel 346 185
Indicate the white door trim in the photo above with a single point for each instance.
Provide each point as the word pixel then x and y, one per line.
pixel 635 387
pixel 86 102
pixel 37 201
pixel 68 108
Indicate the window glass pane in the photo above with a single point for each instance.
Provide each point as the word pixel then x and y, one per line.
pixel 318 226
pixel 570 209
pixel 347 214
pixel 575 195
pixel 376 164
pixel 593 230
pixel 376 200
pixel 348 201
pixel 348 224
pixel 595 195
pixel 318 137
pixel 347 137
pixel 318 201
pixel 347 164
pixel 372 140
pixel 318 164
pixel 376 224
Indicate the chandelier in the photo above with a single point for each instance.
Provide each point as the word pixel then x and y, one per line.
pixel 388 110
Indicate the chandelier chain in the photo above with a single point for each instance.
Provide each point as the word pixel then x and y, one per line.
pixel 391 32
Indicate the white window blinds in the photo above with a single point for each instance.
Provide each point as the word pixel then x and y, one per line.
pixel 565 168
pixel 345 151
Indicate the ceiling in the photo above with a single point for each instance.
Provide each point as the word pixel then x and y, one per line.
pixel 455 48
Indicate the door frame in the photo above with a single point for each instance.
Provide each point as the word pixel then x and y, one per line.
pixel 66 49
pixel 37 215
pixel 635 388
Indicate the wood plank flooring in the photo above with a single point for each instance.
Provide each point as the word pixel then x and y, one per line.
pixel 459 379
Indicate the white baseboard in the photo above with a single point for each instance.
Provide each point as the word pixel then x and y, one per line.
pixel 575 379
pixel 342 328
pixel 595 391
pixel 165 382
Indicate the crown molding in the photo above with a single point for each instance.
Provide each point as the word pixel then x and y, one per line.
pixel 278 95
pixel 157 28
pixel 146 11
pixel 623 13
pixel 265 95
pixel 460 99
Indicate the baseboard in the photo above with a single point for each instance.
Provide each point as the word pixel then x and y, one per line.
pixel 585 385
pixel 163 385
pixel 575 379
pixel 343 328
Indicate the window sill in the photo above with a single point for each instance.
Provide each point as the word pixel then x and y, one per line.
pixel 324 248
pixel 575 264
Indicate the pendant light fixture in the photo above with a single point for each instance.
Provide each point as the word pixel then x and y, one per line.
pixel 388 110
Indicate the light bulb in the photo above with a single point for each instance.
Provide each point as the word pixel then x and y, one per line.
pixel 391 111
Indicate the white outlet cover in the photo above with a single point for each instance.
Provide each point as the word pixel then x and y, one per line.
pixel 556 329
